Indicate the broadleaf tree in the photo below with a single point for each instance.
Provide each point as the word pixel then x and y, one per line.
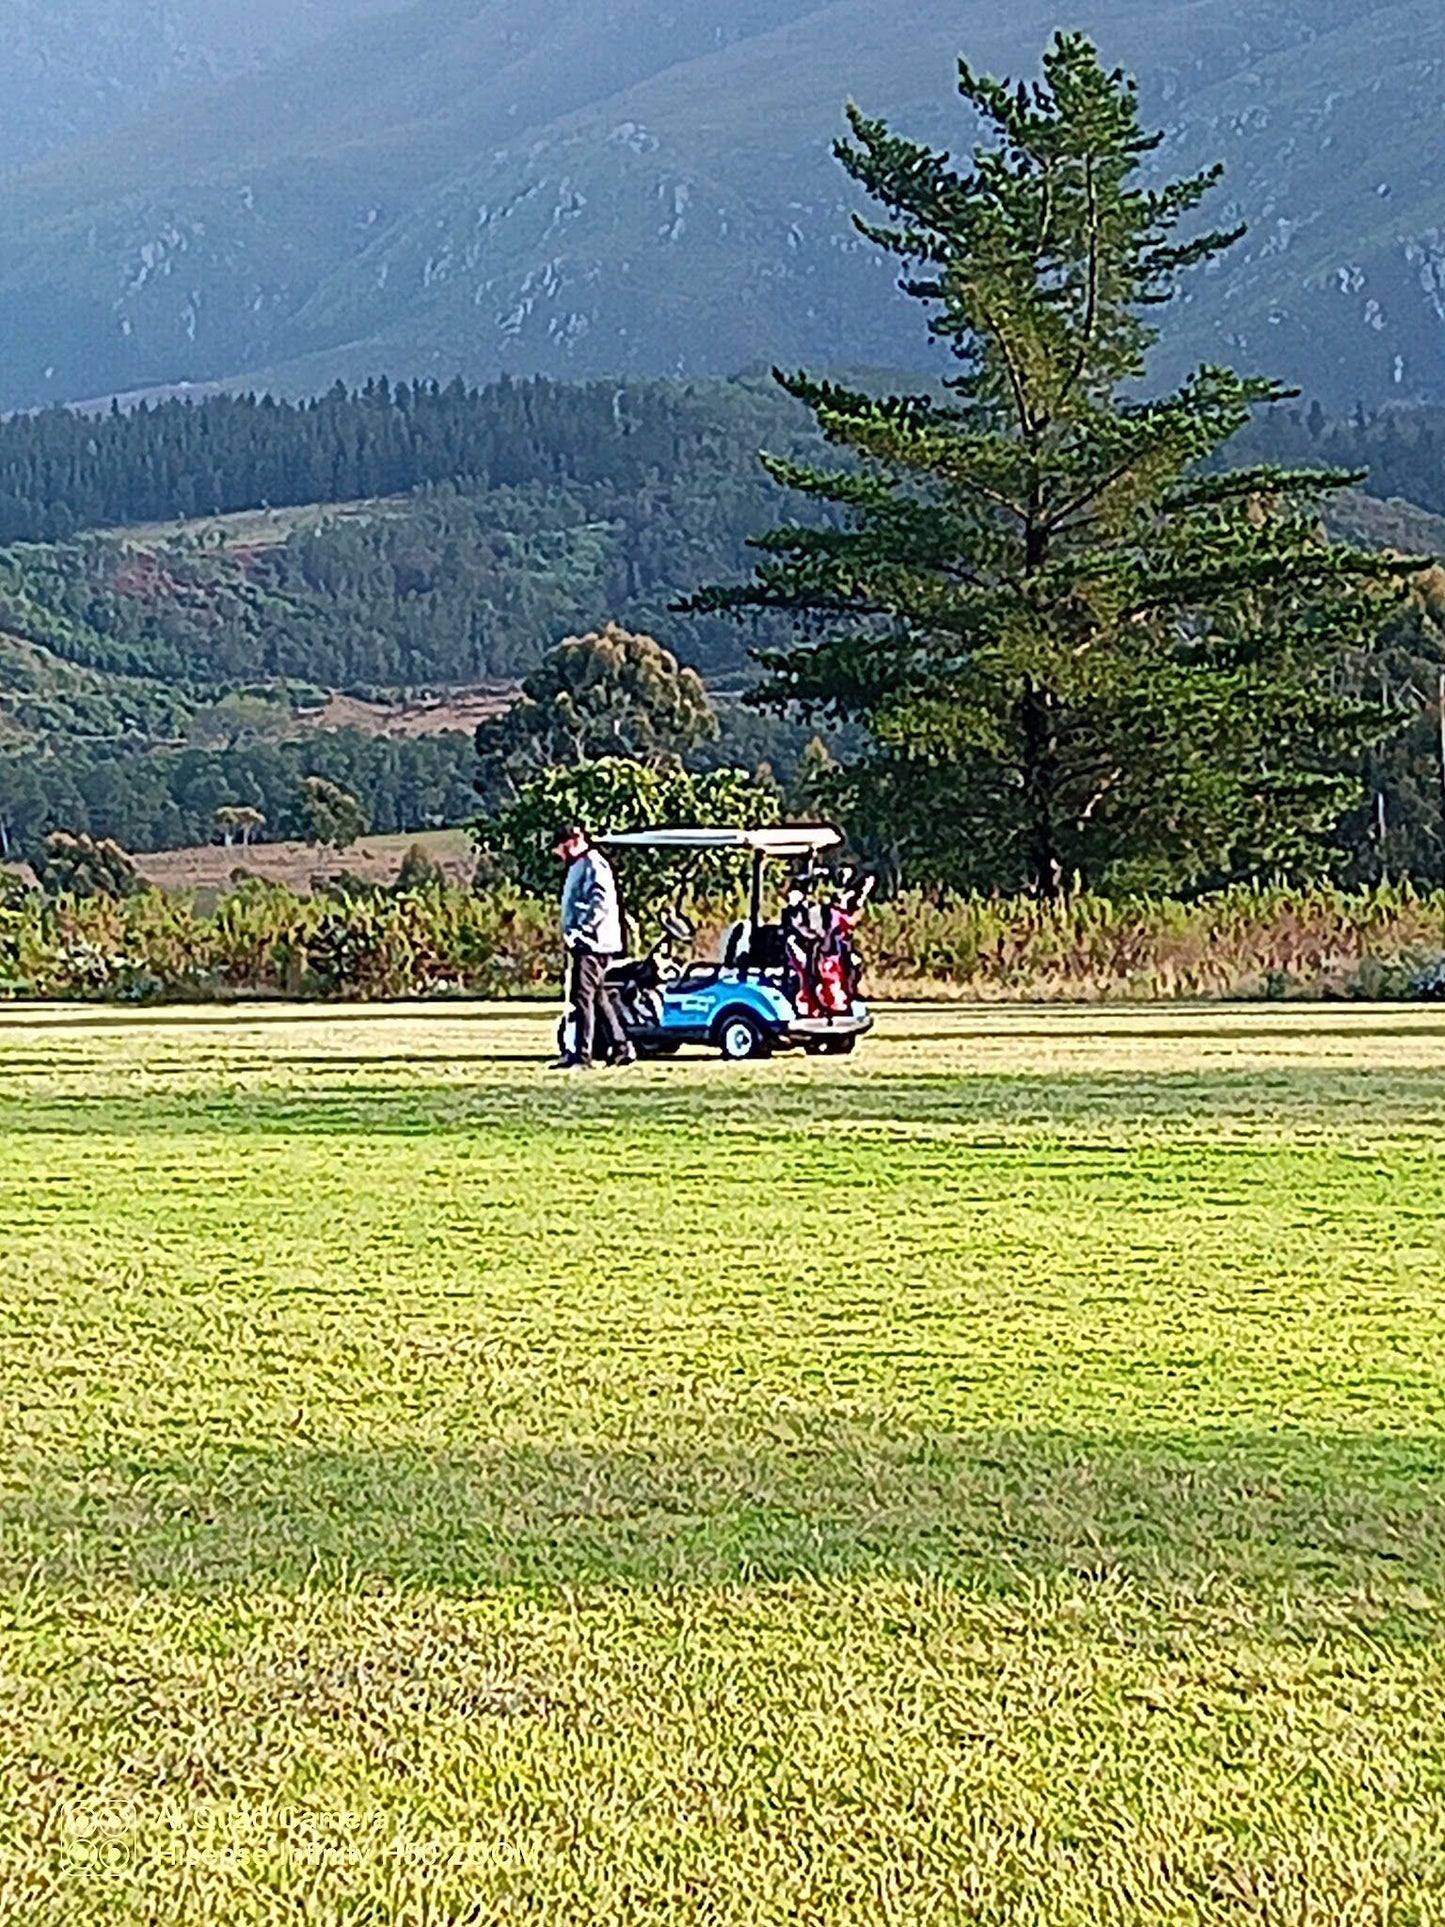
pixel 86 866
pixel 1081 648
pixel 606 694
pixel 619 793
pixel 328 815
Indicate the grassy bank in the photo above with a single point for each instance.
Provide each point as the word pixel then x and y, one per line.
pixel 994 1480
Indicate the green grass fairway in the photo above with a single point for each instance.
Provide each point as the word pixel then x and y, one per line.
pixel 999 1479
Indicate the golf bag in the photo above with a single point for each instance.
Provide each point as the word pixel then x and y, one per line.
pixel 804 932
pixel 824 968
pixel 839 966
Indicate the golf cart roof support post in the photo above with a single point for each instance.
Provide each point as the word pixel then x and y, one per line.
pixel 684 882
pixel 755 909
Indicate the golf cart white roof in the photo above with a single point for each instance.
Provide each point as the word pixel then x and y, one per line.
pixel 794 839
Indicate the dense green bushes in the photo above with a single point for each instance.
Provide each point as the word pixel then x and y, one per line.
pixel 264 942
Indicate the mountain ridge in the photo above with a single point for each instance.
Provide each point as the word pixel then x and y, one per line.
pixel 462 187
pixel 80 67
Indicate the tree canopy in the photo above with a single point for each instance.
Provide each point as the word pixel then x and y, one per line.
pixel 1078 648
pixel 618 793
pixel 325 814
pixel 608 693
pixel 83 866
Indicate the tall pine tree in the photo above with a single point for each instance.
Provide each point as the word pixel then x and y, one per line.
pixel 1078 648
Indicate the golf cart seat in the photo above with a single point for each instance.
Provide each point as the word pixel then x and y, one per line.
pixel 754 947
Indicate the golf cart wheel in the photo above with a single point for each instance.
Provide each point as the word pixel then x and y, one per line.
pixel 832 1047
pixel 741 1037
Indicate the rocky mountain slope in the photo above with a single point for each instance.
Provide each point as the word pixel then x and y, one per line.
pixel 76 68
pixel 607 186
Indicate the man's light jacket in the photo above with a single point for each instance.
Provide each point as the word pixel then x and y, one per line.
pixel 591 913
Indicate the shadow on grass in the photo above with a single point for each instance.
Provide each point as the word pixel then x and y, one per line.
pixel 241 1015
pixel 1362 1518
pixel 1233 1022
pixel 712 1098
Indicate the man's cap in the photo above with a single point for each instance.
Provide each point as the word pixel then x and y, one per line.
pixel 565 834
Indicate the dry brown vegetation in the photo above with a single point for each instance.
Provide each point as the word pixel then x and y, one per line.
pixel 299 867
pixel 460 712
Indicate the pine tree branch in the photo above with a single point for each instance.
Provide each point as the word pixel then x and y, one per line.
pixel 1091 308
pixel 1208 491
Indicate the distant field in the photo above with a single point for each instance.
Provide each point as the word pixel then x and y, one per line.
pixel 255 528
pixel 998 1479
pixel 460 712
pixel 297 865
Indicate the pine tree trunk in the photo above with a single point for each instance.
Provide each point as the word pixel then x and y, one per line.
pixel 1039 720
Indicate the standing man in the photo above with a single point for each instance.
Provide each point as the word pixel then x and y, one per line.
pixel 592 932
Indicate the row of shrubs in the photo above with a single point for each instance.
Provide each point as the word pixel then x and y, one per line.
pixel 431 941
pixel 263 941
pixel 1244 942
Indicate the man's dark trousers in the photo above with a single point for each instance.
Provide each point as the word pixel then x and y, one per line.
pixel 593 1007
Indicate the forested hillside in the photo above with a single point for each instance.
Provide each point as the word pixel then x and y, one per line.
pixel 155 666
pixel 1400 451
pixel 561 507
pixel 63 471
pixel 149 675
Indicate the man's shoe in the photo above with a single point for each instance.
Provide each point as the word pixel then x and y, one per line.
pixel 624 1059
pixel 567 1064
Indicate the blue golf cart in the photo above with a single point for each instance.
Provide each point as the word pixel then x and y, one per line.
pixel 752 999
